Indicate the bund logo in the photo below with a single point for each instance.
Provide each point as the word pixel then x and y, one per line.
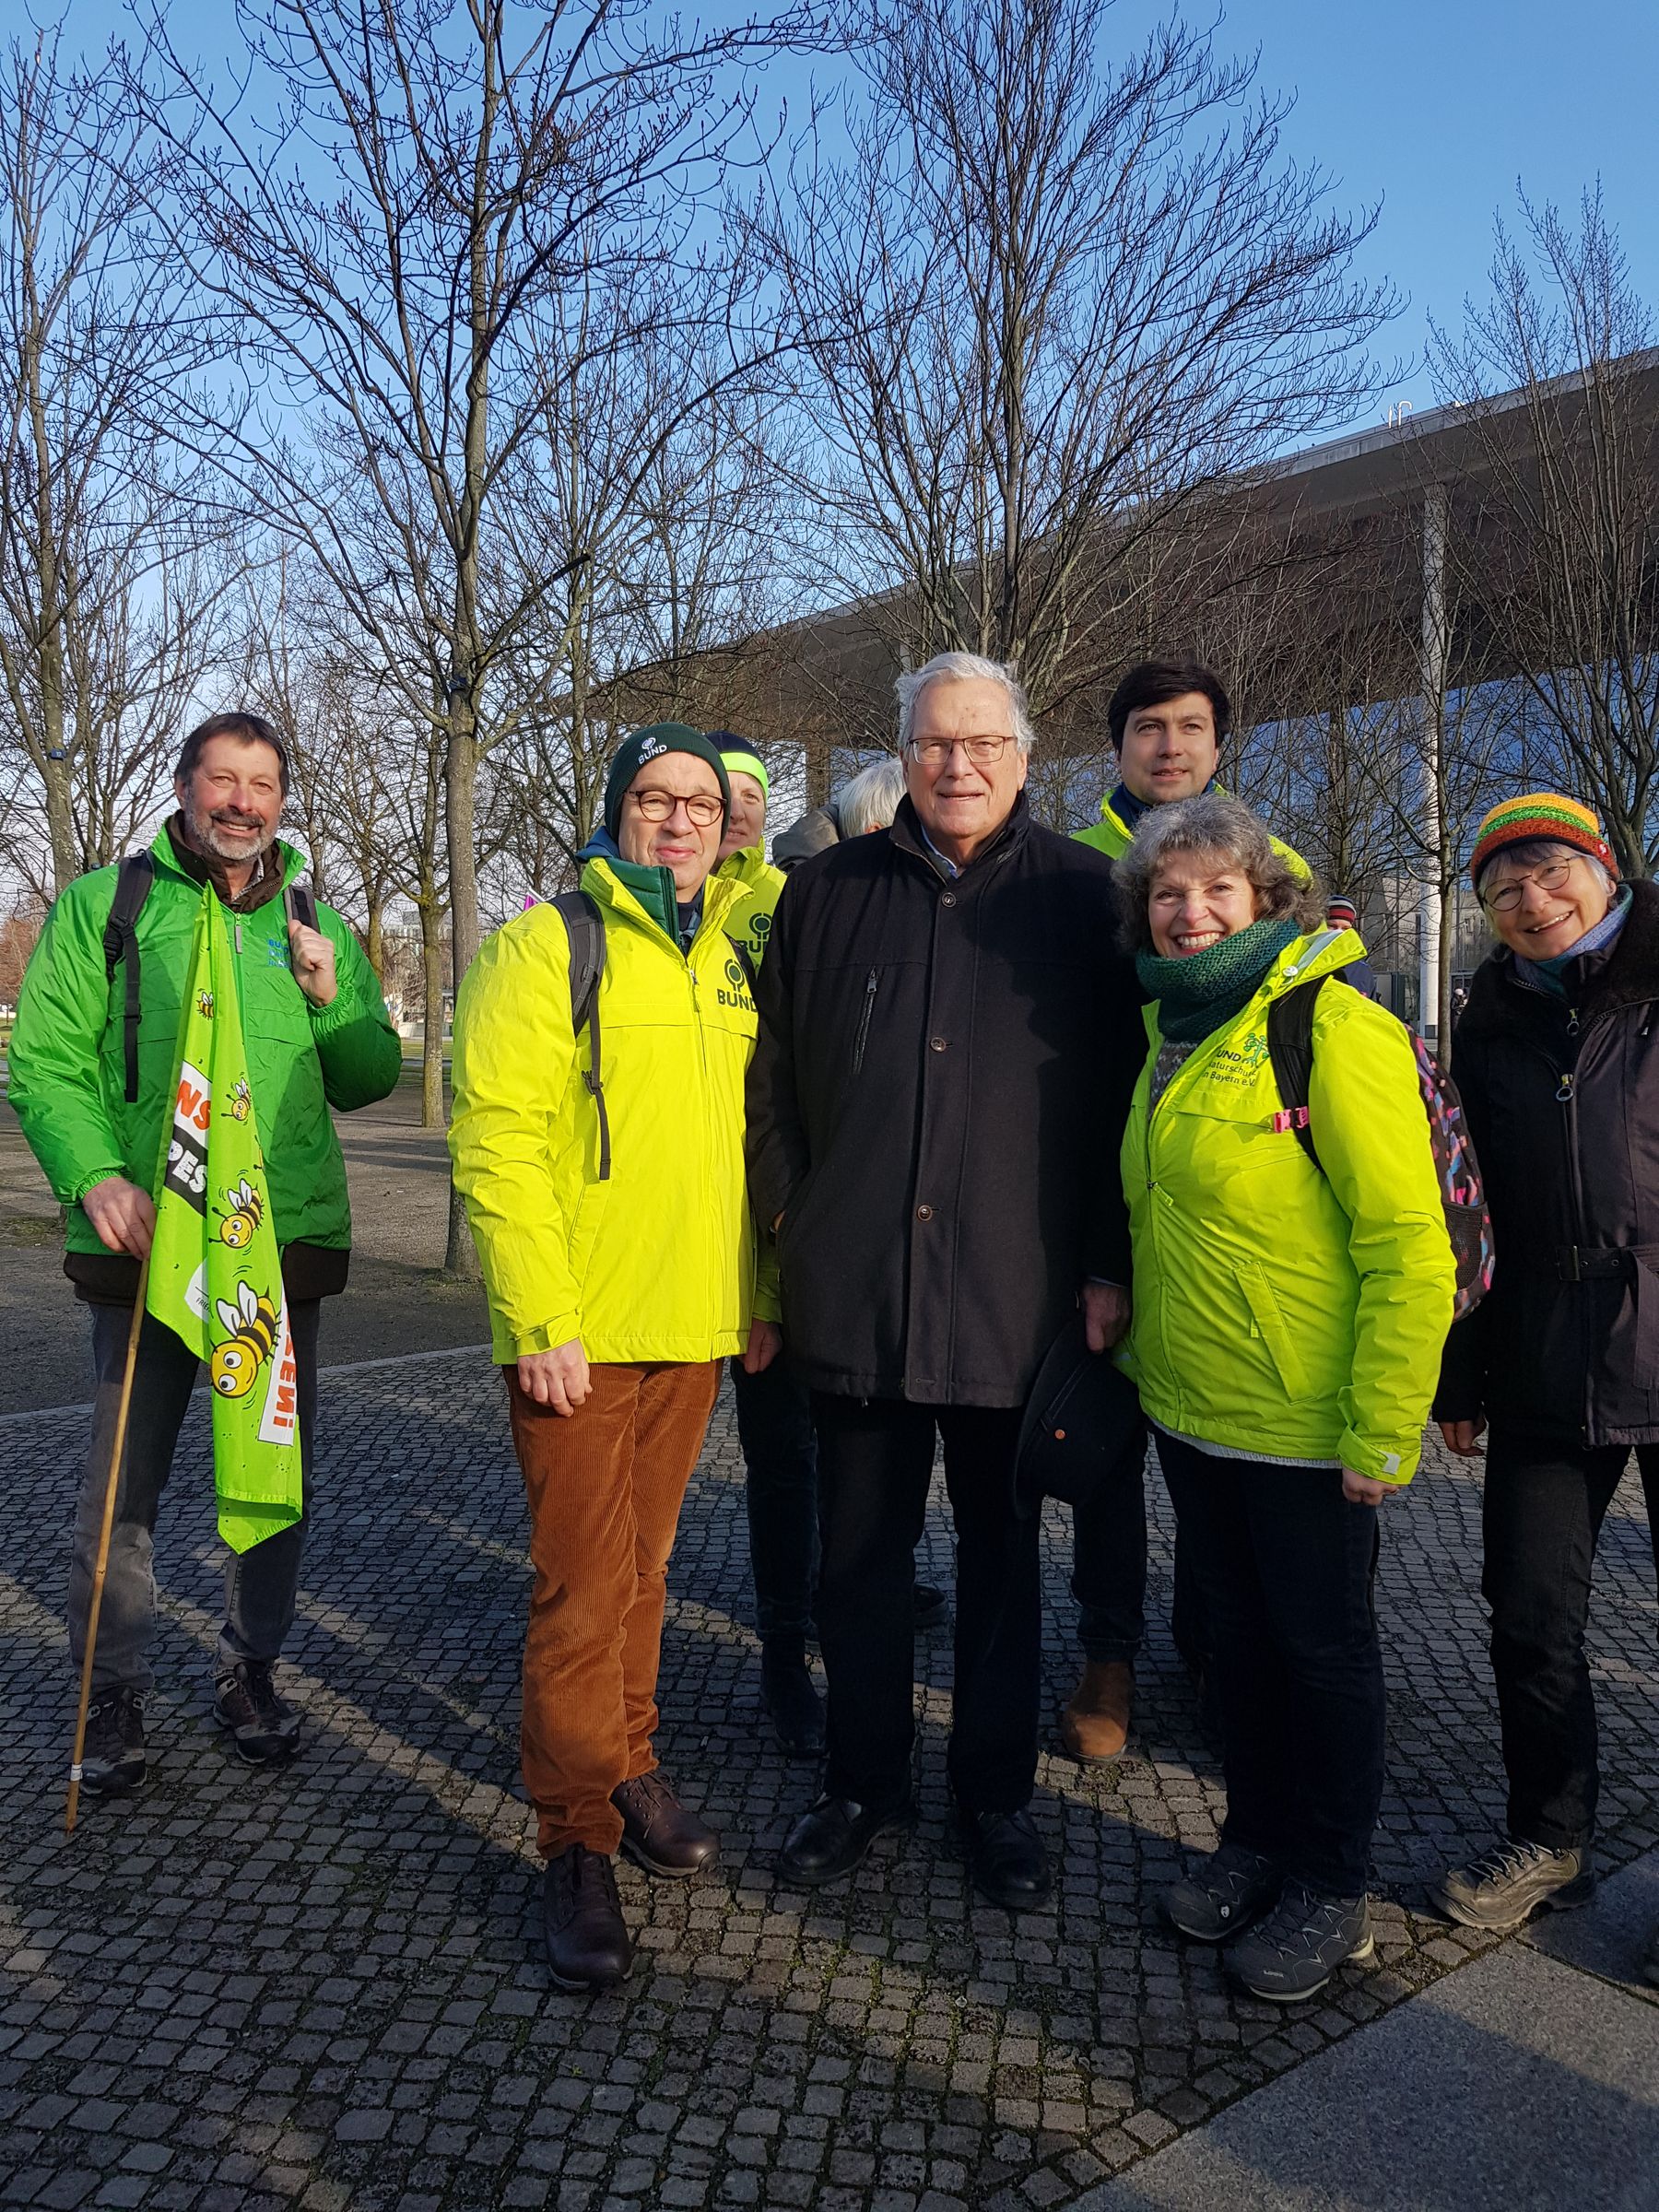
pixel 737 995
pixel 735 974
pixel 760 925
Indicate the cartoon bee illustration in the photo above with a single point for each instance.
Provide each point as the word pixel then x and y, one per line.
pixel 239 1103
pixel 245 1210
pixel 204 1005
pixel 253 1322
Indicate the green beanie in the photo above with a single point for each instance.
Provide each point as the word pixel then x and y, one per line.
pixel 739 755
pixel 651 745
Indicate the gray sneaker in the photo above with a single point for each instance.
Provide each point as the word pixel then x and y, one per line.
pixel 113 1755
pixel 263 1726
pixel 1507 1885
pixel 1223 1894
pixel 1299 1946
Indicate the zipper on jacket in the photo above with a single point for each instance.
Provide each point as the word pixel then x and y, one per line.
pixel 239 933
pixel 864 1019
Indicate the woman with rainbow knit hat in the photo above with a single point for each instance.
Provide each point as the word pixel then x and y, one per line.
pixel 1557 1062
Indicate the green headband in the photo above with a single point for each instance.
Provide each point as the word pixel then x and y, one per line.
pixel 747 763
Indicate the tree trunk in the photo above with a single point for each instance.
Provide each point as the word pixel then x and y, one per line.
pixel 459 784
pixel 431 1050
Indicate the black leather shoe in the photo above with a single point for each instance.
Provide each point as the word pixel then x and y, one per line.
pixel 588 1945
pixel 833 1837
pixel 1006 1859
pixel 792 1701
pixel 658 1833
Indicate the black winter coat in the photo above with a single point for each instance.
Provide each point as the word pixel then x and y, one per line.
pixel 1562 1098
pixel 936 1105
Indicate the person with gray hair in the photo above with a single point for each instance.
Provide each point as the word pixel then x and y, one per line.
pixel 949 1033
pixel 870 799
pixel 1289 1305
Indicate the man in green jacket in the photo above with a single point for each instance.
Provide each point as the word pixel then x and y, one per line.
pixel 1168 721
pixel 94 1100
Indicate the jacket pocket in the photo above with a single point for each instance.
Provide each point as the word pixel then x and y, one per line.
pixel 1270 1321
pixel 859 1041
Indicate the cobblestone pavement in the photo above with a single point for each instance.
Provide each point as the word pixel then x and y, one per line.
pixel 324 1988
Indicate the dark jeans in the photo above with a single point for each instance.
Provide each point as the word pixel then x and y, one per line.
pixel 1283 1566
pixel 1544 1508
pixel 874 1462
pixel 780 1456
pixel 260 1585
pixel 1108 1561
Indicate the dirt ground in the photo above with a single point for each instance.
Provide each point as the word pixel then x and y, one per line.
pixel 399 1298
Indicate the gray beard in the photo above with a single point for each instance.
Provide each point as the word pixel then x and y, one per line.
pixel 204 835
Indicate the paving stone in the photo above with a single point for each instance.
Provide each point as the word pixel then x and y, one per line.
pixel 323 1986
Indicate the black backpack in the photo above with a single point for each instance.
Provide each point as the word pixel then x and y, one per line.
pixel 132 882
pixel 584 926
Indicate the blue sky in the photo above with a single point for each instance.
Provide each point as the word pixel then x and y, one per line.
pixel 1434 106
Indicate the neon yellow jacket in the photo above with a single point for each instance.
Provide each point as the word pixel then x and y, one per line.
pixel 657 1263
pixel 1111 835
pixel 1280 1310
pixel 750 920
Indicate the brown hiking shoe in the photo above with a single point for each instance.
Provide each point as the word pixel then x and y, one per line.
pixel 1094 1726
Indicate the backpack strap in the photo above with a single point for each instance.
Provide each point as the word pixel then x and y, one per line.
pixel 1290 1049
pixel 299 903
pixel 584 926
pixel 132 882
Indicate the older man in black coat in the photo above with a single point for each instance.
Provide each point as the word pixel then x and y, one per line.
pixel 949 1040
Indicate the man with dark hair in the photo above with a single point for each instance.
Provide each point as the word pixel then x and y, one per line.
pixel 1167 721
pixel 91 1078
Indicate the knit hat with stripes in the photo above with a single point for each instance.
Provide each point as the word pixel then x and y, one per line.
pixel 1540 814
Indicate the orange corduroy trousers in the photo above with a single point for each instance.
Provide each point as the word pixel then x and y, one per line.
pixel 606 1485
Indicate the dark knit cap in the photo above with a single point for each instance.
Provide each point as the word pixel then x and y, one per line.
pixel 645 746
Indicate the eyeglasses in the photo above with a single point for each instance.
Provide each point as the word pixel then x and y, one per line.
pixel 933 752
pixel 1552 877
pixel 703 808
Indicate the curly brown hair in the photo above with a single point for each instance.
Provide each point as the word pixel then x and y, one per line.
pixel 1212 823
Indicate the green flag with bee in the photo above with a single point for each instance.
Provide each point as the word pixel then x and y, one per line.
pixel 215 1274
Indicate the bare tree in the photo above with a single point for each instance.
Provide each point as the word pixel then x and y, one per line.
pixel 108 588
pixel 1554 534
pixel 1046 296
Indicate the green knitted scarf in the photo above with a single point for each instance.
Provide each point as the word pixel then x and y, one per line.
pixel 1205 989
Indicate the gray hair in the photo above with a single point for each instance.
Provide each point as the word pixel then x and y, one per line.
pixel 1212 823
pixel 1537 852
pixel 870 799
pixel 964 668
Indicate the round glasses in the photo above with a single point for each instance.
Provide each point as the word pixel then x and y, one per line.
pixel 703 808
pixel 1552 877
pixel 933 752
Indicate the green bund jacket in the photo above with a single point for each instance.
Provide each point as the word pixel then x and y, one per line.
pixel 1111 835
pixel 1281 1311
pixel 68 1080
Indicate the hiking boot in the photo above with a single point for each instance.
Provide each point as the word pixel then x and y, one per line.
pixel 1507 1885
pixel 587 1939
pixel 113 1755
pixel 1094 1727
pixel 792 1701
pixel 264 1728
pixel 1293 1953
pixel 1224 1894
pixel 658 1833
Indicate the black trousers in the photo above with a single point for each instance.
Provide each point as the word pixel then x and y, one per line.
pixel 1543 1513
pixel 874 1462
pixel 1283 1565
pixel 780 1459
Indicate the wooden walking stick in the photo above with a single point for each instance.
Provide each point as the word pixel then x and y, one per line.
pixel 103 1547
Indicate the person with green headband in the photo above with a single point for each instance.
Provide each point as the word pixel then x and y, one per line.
pixel 1286 1339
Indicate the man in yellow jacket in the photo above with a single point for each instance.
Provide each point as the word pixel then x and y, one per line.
pixel 611 1215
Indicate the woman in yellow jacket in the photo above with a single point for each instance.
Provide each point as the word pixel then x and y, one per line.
pixel 1286 1341
pixel 616 1285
